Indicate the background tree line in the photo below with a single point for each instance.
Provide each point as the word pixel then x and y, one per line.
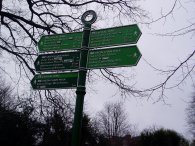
pixel 20 126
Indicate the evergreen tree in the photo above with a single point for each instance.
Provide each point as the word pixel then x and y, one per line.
pixel 162 137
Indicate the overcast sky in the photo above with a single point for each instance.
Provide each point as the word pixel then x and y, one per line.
pixel 163 53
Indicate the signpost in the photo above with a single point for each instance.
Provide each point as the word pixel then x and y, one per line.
pixel 113 57
pixel 100 58
pixel 54 81
pixel 60 42
pixel 115 36
pixel 92 54
pixel 129 34
pixel 57 61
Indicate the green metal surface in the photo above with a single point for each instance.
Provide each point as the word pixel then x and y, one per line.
pixel 76 133
pixel 54 81
pixel 128 34
pixel 113 57
pixel 59 42
pixel 100 58
pixel 57 61
pixel 78 116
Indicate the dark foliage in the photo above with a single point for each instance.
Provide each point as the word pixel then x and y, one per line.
pixel 20 128
pixel 162 137
pixel 193 143
pixel 17 129
pixel 89 137
pixel 55 133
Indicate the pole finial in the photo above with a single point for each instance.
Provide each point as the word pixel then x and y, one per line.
pixel 91 15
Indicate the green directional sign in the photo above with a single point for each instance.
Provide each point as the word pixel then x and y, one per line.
pixel 54 81
pixel 57 61
pixel 129 34
pixel 59 42
pixel 100 58
pixel 114 57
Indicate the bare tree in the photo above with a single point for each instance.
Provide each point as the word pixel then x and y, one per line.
pixel 112 120
pixel 24 21
pixel 6 97
pixel 191 115
pixel 186 67
pixel 183 70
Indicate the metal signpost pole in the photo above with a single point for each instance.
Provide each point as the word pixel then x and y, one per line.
pixel 76 134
